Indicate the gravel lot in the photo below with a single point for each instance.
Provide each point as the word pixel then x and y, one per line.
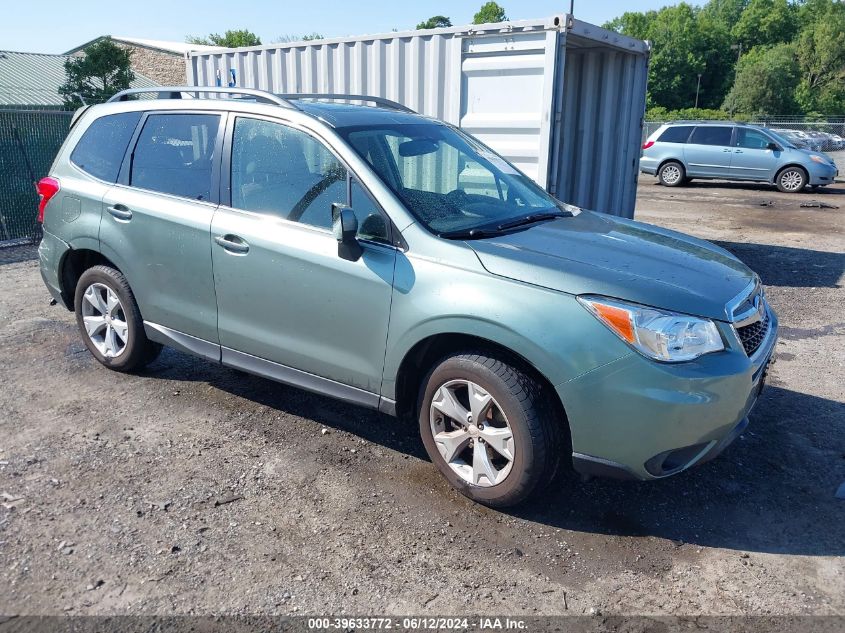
pixel 197 489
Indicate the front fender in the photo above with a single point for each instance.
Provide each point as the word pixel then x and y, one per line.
pixel 547 328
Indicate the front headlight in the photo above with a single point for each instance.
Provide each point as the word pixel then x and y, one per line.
pixel 818 159
pixel 658 334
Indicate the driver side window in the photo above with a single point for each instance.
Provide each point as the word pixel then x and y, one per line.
pixel 285 172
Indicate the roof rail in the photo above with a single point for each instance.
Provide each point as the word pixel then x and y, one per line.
pixel 379 101
pixel 175 92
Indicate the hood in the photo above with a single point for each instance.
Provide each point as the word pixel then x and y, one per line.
pixel 594 253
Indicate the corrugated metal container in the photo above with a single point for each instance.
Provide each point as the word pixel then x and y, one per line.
pixel 561 99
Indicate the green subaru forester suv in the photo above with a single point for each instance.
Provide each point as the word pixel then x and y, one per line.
pixel 393 261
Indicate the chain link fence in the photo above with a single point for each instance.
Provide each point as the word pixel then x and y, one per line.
pixel 827 135
pixel 29 141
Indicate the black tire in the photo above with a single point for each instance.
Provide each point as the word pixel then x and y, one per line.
pixel 672 174
pixel 791 179
pixel 530 415
pixel 138 350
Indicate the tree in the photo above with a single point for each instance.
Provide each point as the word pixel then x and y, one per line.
pixel 488 13
pixel 633 24
pixel 766 22
pixel 820 49
pixel 101 71
pixel 679 54
pixel 230 39
pixel 435 22
pixel 766 79
pixel 285 39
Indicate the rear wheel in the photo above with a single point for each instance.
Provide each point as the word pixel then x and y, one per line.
pixel 791 180
pixel 671 174
pixel 110 322
pixel 489 428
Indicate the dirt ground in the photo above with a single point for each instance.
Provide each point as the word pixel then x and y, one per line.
pixel 195 489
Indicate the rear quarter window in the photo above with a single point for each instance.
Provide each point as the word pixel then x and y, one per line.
pixel 675 134
pixel 101 149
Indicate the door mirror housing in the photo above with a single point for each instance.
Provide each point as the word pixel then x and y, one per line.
pixel 345 229
pixel 774 147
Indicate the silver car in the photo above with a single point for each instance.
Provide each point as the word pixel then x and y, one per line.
pixel 677 152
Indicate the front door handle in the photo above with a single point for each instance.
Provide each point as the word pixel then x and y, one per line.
pixel 119 212
pixel 232 244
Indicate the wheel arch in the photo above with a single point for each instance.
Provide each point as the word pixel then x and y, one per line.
pixel 75 262
pixel 781 169
pixel 422 356
pixel 671 159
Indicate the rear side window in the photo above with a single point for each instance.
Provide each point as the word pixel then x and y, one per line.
pixel 675 134
pixel 711 135
pixel 175 153
pixel 101 149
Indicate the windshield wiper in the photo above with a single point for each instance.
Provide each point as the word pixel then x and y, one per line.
pixel 469 234
pixel 532 218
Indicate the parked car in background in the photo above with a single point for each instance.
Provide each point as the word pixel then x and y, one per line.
pixel 395 262
pixel 797 138
pixel 840 142
pixel 679 151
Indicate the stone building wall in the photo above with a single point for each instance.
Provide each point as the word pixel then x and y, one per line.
pixel 166 69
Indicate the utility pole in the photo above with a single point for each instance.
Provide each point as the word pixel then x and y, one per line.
pixel 697 88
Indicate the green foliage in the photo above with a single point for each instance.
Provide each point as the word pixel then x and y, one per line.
pixel 821 55
pixel 230 39
pixel 435 22
pixel 286 39
pixel 660 113
pixel 806 75
pixel 766 22
pixel 488 13
pixel 766 79
pixel 103 70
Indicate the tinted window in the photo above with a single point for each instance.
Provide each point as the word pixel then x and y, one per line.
pixel 752 139
pixel 711 135
pixel 174 154
pixel 103 145
pixel 283 171
pixel 676 134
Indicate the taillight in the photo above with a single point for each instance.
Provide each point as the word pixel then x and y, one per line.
pixel 46 188
pixel 648 144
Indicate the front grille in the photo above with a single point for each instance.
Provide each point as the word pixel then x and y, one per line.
pixel 752 335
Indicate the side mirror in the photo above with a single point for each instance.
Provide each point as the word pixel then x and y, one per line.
pixel 345 228
pixel 774 147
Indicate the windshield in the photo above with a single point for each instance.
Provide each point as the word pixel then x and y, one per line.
pixel 452 183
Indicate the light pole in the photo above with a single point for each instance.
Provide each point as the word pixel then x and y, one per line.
pixel 697 88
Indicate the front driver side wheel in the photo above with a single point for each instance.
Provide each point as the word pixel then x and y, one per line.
pixel 489 428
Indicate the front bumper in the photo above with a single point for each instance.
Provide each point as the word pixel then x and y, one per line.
pixel 638 419
pixel 822 174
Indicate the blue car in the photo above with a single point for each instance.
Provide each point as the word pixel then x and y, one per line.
pixel 677 152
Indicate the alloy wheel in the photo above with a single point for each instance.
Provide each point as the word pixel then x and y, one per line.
pixel 792 180
pixel 671 174
pixel 472 433
pixel 105 320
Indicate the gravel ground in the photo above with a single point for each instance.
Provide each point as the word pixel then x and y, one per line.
pixel 197 489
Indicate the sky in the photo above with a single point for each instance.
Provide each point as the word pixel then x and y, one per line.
pixel 52 26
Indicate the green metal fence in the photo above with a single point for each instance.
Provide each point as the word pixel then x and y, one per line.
pixel 29 140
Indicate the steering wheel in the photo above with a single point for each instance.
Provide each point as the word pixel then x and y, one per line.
pixel 458 198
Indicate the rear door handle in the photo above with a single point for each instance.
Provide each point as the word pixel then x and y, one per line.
pixel 232 244
pixel 739 151
pixel 119 212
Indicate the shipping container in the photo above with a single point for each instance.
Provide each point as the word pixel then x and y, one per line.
pixel 561 99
